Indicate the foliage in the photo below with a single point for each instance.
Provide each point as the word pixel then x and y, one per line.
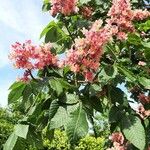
pixel 107 53
pixel 61 142
pixel 7 122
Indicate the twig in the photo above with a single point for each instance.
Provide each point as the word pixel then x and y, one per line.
pixel 32 75
pixel 68 30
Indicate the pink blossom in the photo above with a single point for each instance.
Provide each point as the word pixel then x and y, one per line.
pixel 89 76
pixel 121 36
pixel 142 112
pixel 117 137
pixel 25 77
pixel 86 11
pixel 85 54
pixel 139 14
pixel 122 16
pixel 65 7
pixel 118 141
pixel 29 57
pixel 144 99
pixel 141 63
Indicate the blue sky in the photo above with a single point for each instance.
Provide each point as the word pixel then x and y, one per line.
pixel 19 21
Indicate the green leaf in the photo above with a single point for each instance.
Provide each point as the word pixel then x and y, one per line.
pixel 114 114
pixel 144 26
pixel 77 126
pixel 60 119
pixel 134 38
pixel 134 131
pixel 145 82
pixel 10 143
pixel 53 108
pixel 34 138
pixel 116 95
pixel 95 103
pixel 84 1
pixel 46 1
pixel 129 75
pixel 27 93
pixel 56 86
pixel 96 87
pixel 147 53
pixel 16 93
pixel 16 85
pixel 72 98
pixel 146 44
pixel 65 84
pixel 21 130
pixel 46 5
pixel 107 73
pixel 47 28
pixel 54 33
pixel 110 71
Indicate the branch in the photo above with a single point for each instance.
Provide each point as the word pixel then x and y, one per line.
pixel 68 30
pixel 32 75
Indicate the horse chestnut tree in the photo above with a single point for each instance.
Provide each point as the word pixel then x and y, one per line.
pixel 93 52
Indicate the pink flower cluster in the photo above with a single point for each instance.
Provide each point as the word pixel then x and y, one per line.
pixel 142 112
pixel 29 57
pixel 85 54
pixel 121 17
pixel 141 63
pixel 86 11
pixel 144 99
pixel 139 14
pixel 65 7
pixel 118 141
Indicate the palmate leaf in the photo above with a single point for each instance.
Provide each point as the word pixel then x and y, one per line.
pixel 56 86
pixel 129 75
pixel 16 85
pixel 10 143
pixel 107 73
pixel 53 108
pixel 134 131
pixel 77 126
pixel 84 1
pixel 53 33
pixel 145 82
pixel 96 103
pixel 114 114
pixel 16 92
pixel 60 118
pixel 58 115
pixel 116 95
pixel 21 130
pixel 16 139
pixel 134 38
